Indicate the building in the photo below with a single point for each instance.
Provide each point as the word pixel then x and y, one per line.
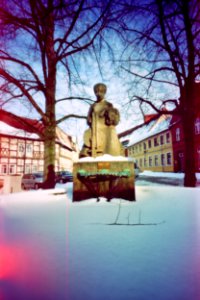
pixel 23 152
pixel 159 145
pixel 179 143
pixel 151 144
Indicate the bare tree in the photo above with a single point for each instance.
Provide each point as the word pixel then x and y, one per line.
pixel 40 39
pixel 162 55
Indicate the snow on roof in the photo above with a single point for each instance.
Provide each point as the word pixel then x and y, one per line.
pixel 147 130
pixel 9 130
pixel 23 123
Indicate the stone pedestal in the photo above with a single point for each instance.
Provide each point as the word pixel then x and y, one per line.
pixel 109 179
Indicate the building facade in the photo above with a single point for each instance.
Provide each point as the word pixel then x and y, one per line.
pixel 159 145
pixel 151 145
pixel 20 155
pixel 179 144
pixel 25 154
pixel 154 153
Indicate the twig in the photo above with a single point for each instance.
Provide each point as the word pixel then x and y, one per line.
pixel 137 224
pixel 118 213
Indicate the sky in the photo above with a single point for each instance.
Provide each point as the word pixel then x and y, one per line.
pixel 120 83
pixel 80 250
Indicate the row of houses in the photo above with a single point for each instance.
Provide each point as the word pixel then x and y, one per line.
pixel 22 151
pixel 158 144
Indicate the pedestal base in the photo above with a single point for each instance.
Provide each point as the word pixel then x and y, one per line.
pixel 109 179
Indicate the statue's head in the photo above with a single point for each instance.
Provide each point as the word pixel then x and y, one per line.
pixel 100 91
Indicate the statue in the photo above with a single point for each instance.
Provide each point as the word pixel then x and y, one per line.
pixel 101 137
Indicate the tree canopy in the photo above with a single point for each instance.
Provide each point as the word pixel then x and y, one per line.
pixel 162 55
pixel 44 42
pixel 41 44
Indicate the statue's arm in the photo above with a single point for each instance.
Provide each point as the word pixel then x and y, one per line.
pixel 89 116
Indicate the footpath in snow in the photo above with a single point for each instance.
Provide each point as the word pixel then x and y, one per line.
pixel 168 178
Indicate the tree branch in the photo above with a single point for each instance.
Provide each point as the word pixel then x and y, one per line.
pixel 70 116
pixel 149 78
pixel 75 98
pixel 159 111
pixel 17 83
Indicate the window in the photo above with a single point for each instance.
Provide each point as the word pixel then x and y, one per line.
pixel 167 137
pixel 156 160
pixel 162 139
pixel 140 147
pixel 11 169
pixel 197 126
pixel 155 142
pixel 21 148
pixel 29 148
pixel 169 158
pixel 162 159
pixel 5 152
pixel 178 136
pixel 140 162
pixel 27 169
pixel 149 143
pixel 144 146
pixel 4 169
pixel 145 162
pixel 34 168
pixel 150 161
pixel 20 169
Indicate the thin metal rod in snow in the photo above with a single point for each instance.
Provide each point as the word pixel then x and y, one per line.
pixel 128 220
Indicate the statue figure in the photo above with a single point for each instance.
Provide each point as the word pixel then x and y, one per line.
pixel 101 137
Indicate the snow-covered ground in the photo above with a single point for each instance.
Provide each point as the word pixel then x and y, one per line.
pixel 52 248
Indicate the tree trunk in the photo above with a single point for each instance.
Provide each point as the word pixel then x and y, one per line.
pixel 190 177
pixel 50 122
pixel 188 119
pixel 50 130
pixel 49 155
pixel 50 136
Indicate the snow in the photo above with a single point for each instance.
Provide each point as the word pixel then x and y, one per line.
pixel 53 248
pixel 148 130
pixel 7 129
pixel 105 157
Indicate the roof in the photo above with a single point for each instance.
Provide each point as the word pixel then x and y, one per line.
pixel 24 127
pixel 147 119
pixel 29 125
pixel 146 130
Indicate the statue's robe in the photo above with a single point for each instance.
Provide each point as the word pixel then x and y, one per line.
pixel 101 137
